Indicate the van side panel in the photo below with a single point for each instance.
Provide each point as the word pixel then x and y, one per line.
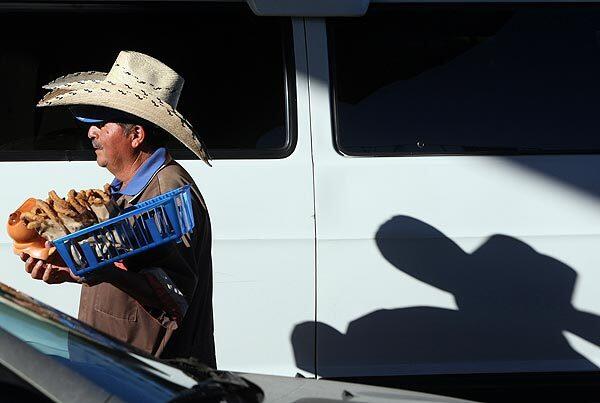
pixel 263 226
pixel 451 264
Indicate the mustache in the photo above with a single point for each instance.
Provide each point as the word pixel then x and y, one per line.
pixel 96 145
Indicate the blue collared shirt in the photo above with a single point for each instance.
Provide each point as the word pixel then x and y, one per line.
pixel 142 175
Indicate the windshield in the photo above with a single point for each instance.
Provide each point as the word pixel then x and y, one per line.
pixel 128 374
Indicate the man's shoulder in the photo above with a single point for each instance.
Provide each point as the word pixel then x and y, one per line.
pixel 169 177
pixel 173 176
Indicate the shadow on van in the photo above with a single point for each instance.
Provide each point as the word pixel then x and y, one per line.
pixel 513 306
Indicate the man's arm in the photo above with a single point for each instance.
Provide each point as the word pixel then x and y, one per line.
pixel 134 284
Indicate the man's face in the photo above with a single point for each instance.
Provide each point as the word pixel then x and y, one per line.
pixel 112 146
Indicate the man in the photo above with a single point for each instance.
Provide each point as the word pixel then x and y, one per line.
pixel 161 300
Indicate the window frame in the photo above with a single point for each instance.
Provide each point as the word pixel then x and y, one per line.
pixel 290 100
pixel 380 9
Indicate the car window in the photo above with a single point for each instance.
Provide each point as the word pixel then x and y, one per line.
pixel 410 80
pixel 235 66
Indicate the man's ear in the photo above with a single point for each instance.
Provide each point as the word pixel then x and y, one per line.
pixel 137 135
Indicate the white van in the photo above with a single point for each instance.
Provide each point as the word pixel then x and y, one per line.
pixel 398 189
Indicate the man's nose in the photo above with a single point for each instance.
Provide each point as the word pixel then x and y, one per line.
pixel 93 132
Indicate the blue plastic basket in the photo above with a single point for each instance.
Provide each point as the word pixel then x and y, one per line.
pixel 146 225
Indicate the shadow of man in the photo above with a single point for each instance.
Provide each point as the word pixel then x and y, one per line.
pixel 513 306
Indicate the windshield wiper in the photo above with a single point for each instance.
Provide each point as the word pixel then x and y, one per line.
pixel 213 384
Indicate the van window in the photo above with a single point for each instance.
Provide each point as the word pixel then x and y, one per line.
pixel 475 79
pixel 235 67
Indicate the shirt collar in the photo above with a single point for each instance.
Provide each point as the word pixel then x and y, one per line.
pixel 142 176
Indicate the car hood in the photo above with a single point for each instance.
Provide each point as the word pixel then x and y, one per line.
pixel 279 389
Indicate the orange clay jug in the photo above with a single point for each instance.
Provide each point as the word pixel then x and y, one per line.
pixel 28 240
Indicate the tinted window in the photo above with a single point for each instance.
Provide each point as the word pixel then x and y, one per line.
pixel 233 62
pixel 471 79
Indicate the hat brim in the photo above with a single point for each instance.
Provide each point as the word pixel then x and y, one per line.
pixel 87 116
pixel 90 114
pixel 88 121
pixel 79 77
pixel 123 98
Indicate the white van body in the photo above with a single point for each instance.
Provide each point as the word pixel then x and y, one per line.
pixel 516 232
pixel 351 266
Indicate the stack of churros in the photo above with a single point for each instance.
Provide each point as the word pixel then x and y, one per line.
pixel 43 219
pixel 56 216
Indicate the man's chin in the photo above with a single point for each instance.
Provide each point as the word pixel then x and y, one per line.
pixel 101 162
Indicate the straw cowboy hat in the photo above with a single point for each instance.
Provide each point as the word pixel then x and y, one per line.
pixel 136 84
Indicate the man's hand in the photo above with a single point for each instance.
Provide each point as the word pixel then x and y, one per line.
pixel 48 272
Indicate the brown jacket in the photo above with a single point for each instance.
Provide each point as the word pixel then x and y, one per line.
pixel 184 327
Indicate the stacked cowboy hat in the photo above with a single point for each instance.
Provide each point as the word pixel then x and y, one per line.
pixel 136 84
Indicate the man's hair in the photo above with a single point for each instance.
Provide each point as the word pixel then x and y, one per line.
pixel 155 136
